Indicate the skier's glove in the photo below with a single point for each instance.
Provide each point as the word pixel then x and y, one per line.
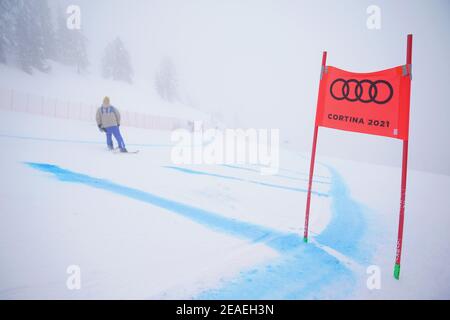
pixel 101 129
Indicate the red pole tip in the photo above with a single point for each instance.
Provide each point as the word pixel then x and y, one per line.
pixel 324 58
pixel 409 49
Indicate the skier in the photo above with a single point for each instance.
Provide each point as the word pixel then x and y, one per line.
pixel 108 121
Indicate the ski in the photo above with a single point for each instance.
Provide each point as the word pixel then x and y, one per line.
pixel 117 151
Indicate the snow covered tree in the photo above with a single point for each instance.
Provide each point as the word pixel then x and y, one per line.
pixel 47 29
pixel 7 24
pixel 2 53
pixel 166 81
pixel 30 42
pixel 27 36
pixel 116 62
pixel 26 33
pixel 70 44
pixel 21 34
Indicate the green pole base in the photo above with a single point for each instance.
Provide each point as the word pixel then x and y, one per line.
pixel 305 239
pixel 397 271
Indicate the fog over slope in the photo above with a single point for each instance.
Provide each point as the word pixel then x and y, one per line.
pixel 256 63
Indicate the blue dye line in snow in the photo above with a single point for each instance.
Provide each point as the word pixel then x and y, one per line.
pixel 203 173
pixel 154 145
pixel 348 221
pixel 277 240
pixel 48 139
pixel 76 141
pixel 302 271
pixel 276 175
pixel 307 272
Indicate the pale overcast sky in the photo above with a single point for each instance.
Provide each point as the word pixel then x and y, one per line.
pixel 259 61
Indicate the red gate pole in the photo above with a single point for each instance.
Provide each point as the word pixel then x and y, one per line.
pixel 313 159
pixel 404 174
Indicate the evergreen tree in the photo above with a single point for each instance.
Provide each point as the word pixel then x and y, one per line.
pixel 8 15
pixel 116 62
pixel 70 44
pixel 26 33
pixel 2 54
pixel 30 42
pixel 166 81
pixel 3 36
pixel 7 22
pixel 47 29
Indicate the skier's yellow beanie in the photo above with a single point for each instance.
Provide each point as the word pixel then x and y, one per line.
pixel 106 101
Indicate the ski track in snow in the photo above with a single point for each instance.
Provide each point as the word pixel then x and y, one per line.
pixel 203 173
pixel 278 175
pixel 301 271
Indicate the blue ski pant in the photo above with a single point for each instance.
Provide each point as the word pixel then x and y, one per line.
pixel 114 131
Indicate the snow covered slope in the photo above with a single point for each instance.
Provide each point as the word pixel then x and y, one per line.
pixel 140 227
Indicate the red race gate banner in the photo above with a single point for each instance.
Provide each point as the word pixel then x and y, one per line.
pixel 373 103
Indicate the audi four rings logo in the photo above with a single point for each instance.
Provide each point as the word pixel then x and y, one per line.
pixel 364 90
